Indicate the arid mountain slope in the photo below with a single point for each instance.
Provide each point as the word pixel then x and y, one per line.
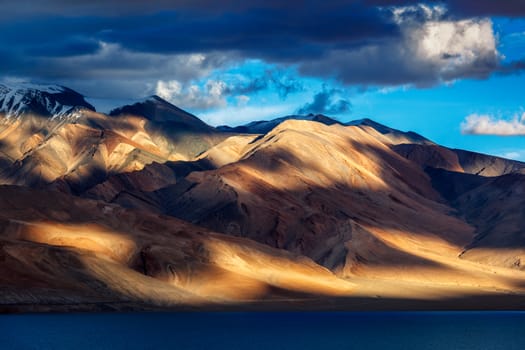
pixel 494 206
pixel 56 248
pixel 486 191
pixel 436 156
pixel 265 126
pixel 83 148
pixel 150 206
pixel 336 194
pixel 497 209
pixel 78 150
pixel 173 128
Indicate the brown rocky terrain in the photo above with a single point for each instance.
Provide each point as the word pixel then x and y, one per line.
pixel 149 207
pixel 60 249
pixel 82 149
pixel 440 157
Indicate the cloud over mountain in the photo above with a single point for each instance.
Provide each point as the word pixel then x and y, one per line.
pixel 212 94
pixel 430 49
pixel 327 101
pixel 477 124
pixel 358 42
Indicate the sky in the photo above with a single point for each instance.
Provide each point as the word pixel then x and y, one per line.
pixel 449 70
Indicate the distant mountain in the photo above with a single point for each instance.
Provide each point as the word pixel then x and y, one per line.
pixel 396 136
pixel 176 129
pixel 161 111
pixel 40 99
pixel 497 210
pixel 264 126
pixel 435 156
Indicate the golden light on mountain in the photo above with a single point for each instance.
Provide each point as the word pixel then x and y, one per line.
pixel 150 207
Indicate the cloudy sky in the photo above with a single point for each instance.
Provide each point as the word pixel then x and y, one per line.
pixel 451 70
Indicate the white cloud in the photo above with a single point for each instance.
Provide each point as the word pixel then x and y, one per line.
pixel 431 49
pixel 402 13
pixel 456 45
pixel 483 124
pixel 166 89
pixel 191 96
pixel 119 73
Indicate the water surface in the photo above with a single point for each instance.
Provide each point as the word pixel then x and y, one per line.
pixel 272 330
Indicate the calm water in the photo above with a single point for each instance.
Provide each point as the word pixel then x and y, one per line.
pixel 273 331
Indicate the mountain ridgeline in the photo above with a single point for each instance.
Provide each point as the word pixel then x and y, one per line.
pixel 44 100
pixel 150 207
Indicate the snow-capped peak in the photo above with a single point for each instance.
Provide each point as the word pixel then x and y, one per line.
pixel 49 88
pixel 50 100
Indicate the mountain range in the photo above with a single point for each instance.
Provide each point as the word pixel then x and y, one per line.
pixel 148 207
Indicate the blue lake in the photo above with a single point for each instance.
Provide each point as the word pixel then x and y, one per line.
pixel 259 330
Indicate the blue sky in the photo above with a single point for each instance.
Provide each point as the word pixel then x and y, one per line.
pixel 436 112
pixel 450 70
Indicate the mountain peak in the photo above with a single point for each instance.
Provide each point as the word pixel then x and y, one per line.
pixel 369 122
pixel 397 136
pixel 47 100
pixel 153 99
pixel 155 108
pixel 50 88
pixel 264 126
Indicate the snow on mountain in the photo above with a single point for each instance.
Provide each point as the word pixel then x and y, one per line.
pixel 42 99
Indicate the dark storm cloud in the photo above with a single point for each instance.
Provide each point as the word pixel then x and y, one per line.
pixel 467 8
pixel 107 8
pixel 510 8
pixel 326 101
pixel 355 42
pixel 67 47
pixel 64 40
pixel 117 8
pixel 268 32
pixel 50 36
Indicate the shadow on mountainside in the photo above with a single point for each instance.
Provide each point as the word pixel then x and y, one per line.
pixel 64 250
pixel 346 217
pixel 335 225
pixel 51 275
pixel 77 154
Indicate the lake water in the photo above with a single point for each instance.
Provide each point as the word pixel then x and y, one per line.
pixel 272 330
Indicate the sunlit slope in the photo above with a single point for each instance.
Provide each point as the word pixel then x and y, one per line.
pixel 82 149
pixel 319 190
pixel 56 248
pixel 173 128
pixel 79 150
pixel 486 192
pixel 341 196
